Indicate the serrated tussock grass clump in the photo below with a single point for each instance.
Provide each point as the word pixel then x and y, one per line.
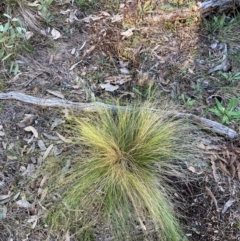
pixel 120 181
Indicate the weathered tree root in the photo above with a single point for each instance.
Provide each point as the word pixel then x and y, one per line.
pixel 92 107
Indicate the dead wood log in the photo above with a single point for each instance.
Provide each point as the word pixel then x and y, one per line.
pixel 201 9
pixel 207 7
pixel 92 107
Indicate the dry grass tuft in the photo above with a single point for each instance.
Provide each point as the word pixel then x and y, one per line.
pixel 119 181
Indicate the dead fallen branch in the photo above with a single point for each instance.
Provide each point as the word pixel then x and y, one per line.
pixel 200 10
pixel 207 7
pixel 92 107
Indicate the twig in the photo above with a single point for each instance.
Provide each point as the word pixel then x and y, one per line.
pixel 92 107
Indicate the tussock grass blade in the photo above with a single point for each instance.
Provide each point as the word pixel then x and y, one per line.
pixel 119 178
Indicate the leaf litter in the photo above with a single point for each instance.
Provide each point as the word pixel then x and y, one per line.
pixel 173 73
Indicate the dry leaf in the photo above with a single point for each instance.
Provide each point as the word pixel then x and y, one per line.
pixel 227 205
pixel 124 71
pixel 224 169
pixel 88 51
pixel 56 93
pixel 96 18
pixel 123 64
pixel 32 129
pixel 238 170
pixel 82 46
pixel 32 219
pixel 27 120
pixel 105 14
pixel 63 138
pixel 185 64
pixel 233 159
pixel 117 80
pixel 28 34
pixel 143 79
pixel 67 236
pixel 15 197
pixel 191 71
pixel 193 169
pixel 214 168
pixel 143 227
pixel 50 137
pixel 214 44
pixel 201 145
pixel 65 12
pixel 72 16
pixel 87 19
pixel 233 170
pixel 47 152
pixel 43 180
pixel 74 65
pixel 236 149
pixel 3 212
pixel 57 122
pixel 117 18
pixel 73 51
pixel 43 194
pixel 224 66
pixel 161 60
pixel 222 159
pixel 109 87
pixel 23 204
pixel 213 198
pixel 5 198
pixel 128 33
pixel 41 145
pixel 55 33
pixel 11 145
pixel 30 170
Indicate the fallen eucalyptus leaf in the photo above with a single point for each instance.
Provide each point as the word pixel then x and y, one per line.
pixel 47 152
pixel 11 145
pixel 15 197
pixel 3 212
pixel 41 145
pixel 5 198
pixel 32 129
pixel 56 122
pixel 109 87
pixel 228 204
pixel 193 169
pixel 63 138
pixel 27 120
pixel 50 137
pixel 56 93
pixel 124 71
pixel 30 170
pixel 28 34
pixel 55 33
pixel 32 219
pixel 128 33
pixel 23 204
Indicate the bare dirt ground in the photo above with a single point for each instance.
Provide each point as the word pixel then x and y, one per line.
pixel 104 53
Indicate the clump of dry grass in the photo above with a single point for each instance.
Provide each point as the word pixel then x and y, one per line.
pixel 120 181
pixel 25 11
